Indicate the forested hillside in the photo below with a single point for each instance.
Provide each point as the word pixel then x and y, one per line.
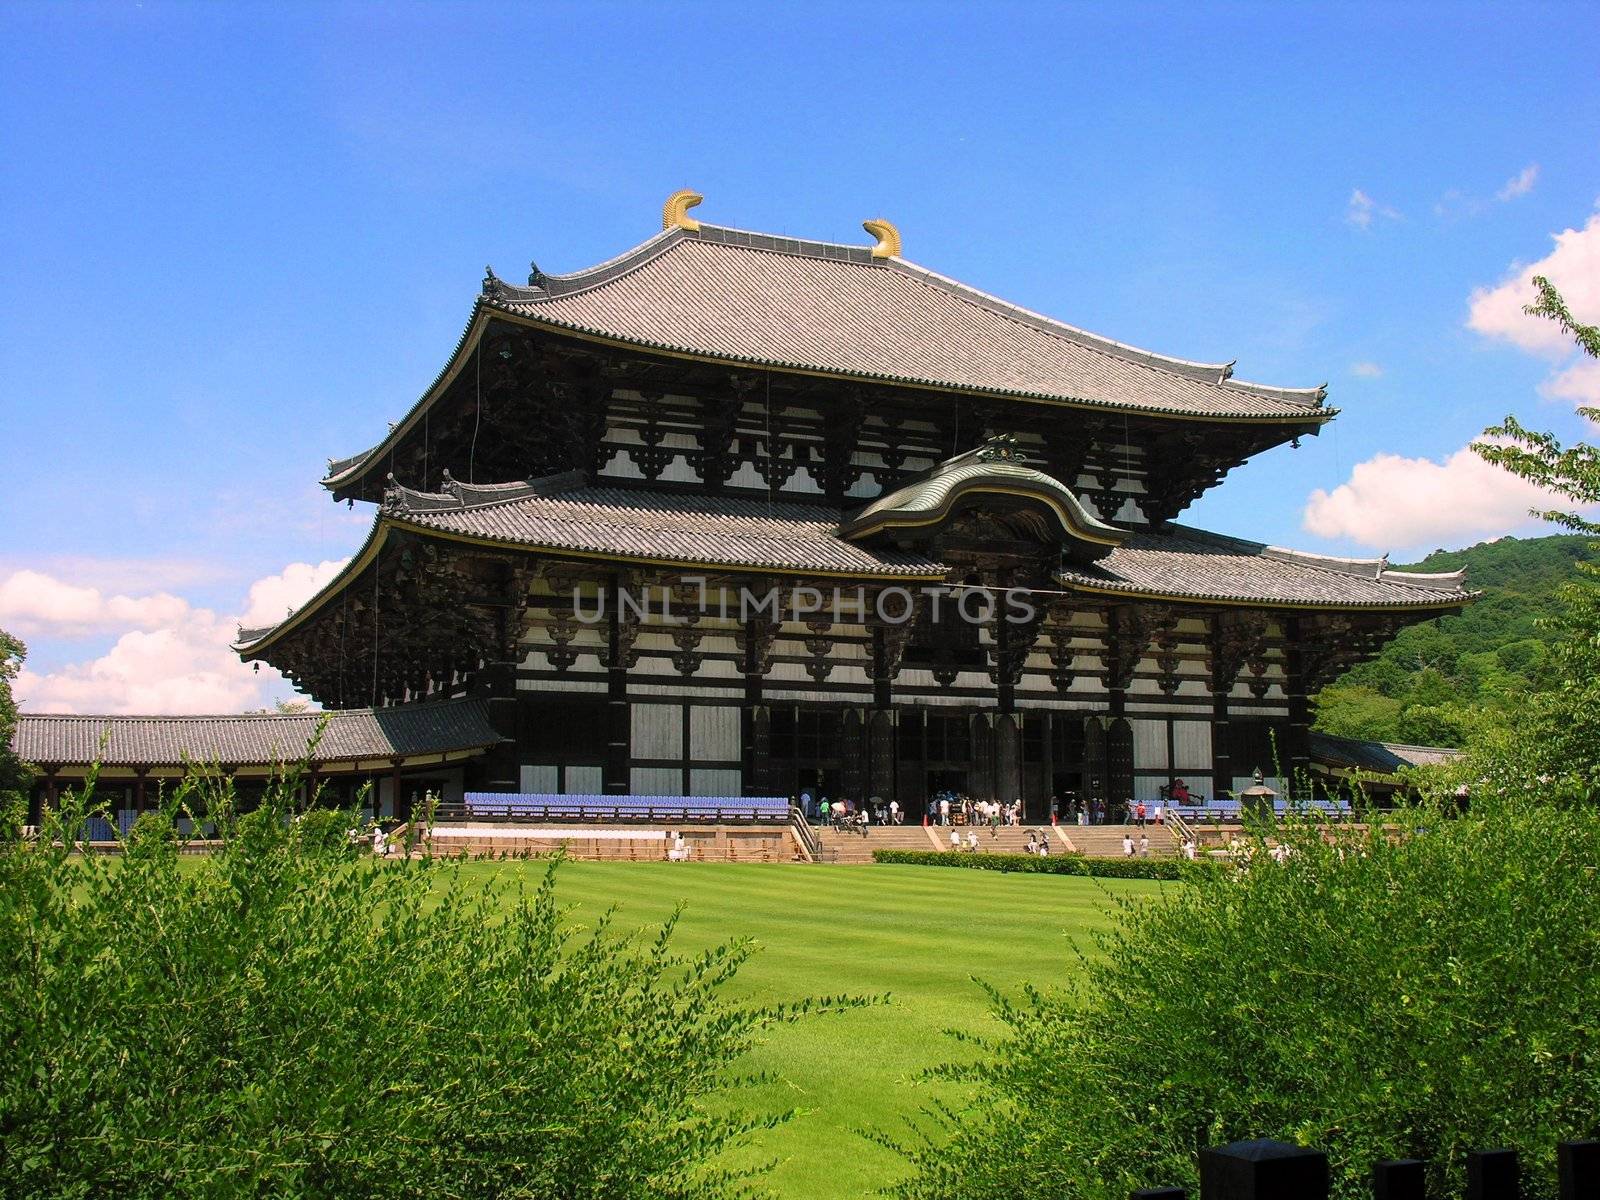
pixel 1490 654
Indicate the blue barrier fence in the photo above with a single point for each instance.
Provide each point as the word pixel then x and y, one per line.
pixel 529 806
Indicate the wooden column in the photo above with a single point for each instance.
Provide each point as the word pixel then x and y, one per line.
pixel 399 790
pixel 1296 751
pixel 981 784
pixel 880 738
pixel 1221 761
pixel 1047 765
pixel 1007 759
pixel 615 779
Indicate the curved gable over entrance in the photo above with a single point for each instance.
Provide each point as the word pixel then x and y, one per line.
pixel 988 487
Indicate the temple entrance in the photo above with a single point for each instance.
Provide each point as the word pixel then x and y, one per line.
pixel 819 781
pixel 946 780
pixel 935 749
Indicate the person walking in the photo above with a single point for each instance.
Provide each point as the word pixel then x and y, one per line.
pixel 1144 845
pixel 1138 812
pixel 1127 845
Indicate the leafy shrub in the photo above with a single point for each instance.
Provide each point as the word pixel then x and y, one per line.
pixel 280 1019
pixel 1053 864
pixel 1420 997
pixel 328 830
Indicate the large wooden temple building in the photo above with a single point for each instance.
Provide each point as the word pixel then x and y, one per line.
pixel 735 513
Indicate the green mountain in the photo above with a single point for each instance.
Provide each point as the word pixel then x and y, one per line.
pixel 1490 654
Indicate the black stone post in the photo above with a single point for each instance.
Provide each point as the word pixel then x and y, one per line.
pixel 1263 1170
pixel 1400 1179
pixel 1493 1175
pixel 1578 1164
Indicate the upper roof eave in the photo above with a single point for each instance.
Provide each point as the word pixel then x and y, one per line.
pixel 513 302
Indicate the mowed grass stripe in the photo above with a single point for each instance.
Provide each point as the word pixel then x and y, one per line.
pixel 920 934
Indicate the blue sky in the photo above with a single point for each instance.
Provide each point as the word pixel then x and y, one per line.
pixel 239 239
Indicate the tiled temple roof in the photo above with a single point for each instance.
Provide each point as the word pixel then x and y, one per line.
pixel 564 518
pixel 717 531
pixel 1191 564
pixel 560 513
pixel 1382 758
pixel 815 306
pixel 789 304
pixel 49 739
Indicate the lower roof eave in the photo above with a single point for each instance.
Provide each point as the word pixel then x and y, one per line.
pixel 121 772
pixel 1438 606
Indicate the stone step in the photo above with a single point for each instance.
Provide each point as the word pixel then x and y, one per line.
pixel 1105 841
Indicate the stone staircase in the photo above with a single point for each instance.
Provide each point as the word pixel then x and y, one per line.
pixel 1105 841
pixel 840 847
pixel 1006 839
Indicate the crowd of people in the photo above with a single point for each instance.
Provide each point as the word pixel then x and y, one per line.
pixel 947 808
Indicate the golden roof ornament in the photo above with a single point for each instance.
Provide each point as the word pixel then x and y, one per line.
pixel 888 238
pixel 675 212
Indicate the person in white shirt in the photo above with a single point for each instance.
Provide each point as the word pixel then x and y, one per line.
pixel 972 843
pixel 1127 845
pixel 955 839
pixel 894 812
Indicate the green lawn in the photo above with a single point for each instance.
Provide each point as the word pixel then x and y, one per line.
pixel 919 934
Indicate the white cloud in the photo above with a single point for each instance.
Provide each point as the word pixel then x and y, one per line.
pixel 187 668
pixel 1519 184
pixel 1366 370
pixel 274 597
pixel 1362 210
pixel 170 657
pixel 33 603
pixel 1573 266
pixel 1579 383
pixel 1396 503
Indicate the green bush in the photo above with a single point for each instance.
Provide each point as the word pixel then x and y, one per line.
pixel 280 1019
pixel 1052 864
pixel 328 830
pixel 1417 998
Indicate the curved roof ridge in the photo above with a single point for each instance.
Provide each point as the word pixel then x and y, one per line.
pixel 1424 578
pixel 1316 395
pixel 549 285
pixel 1213 373
pixel 399 499
pixel 1371 567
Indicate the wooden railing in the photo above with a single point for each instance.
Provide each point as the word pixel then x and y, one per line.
pixel 807 836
